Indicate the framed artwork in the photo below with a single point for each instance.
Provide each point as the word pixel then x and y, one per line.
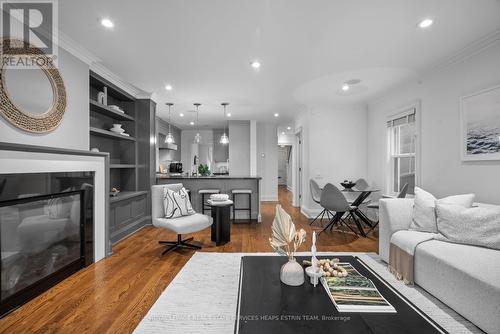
pixel 480 118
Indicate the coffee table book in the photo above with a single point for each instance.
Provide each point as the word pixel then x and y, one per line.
pixel 355 293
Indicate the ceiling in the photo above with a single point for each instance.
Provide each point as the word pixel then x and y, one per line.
pixel 307 49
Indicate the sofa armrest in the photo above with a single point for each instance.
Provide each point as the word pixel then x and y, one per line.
pixel 394 215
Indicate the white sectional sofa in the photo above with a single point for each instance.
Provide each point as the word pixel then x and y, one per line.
pixel 466 278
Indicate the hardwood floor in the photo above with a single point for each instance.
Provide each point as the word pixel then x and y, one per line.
pixel 113 295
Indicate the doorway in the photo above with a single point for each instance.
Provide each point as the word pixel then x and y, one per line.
pixel 285 166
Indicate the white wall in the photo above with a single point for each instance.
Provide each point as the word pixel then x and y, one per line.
pixel 442 171
pixel 73 132
pixel 239 148
pixel 334 148
pixel 267 160
pixel 286 139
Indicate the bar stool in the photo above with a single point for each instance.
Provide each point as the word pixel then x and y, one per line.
pixel 203 193
pixel 242 192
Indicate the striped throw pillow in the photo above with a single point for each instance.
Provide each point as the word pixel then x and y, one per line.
pixel 176 203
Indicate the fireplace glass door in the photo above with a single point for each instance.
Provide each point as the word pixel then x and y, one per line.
pixel 41 239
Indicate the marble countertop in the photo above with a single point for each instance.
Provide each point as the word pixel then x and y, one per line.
pixel 211 177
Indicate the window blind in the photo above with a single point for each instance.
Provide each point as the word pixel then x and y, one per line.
pixel 406 117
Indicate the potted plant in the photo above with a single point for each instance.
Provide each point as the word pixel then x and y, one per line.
pixel 203 170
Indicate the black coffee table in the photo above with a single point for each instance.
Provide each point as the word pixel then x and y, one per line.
pixel 265 305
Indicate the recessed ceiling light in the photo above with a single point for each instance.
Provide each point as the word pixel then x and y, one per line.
pixel 425 23
pixel 168 87
pixel 181 114
pixel 283 132
pixel 228 114
pixel 276 115
pixel 345 87
pixel 289 128
pixel 191 123
pixel 255 64
pixel 107 23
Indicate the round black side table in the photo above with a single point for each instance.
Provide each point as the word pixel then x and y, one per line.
pixel 221 226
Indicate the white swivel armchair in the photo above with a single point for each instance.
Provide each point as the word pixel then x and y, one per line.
pixel 181 225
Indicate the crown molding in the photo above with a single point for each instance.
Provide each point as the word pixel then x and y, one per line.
pixel 467 52
pixel 68 44
pixel 106 73
pixel 95 64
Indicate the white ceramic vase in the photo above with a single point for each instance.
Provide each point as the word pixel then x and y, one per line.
pixel 292 273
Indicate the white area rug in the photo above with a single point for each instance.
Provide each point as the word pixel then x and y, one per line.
pixel 202 298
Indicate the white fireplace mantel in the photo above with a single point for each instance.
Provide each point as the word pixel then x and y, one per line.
pixel 16 159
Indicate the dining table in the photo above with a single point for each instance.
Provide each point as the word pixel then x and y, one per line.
pixel 362 195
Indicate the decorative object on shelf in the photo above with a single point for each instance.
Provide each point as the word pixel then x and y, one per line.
pixel 117 128
pixel 480 118
pixel 219 197
pixel 314 271
pixel 94 149
pixel 347 184
pixel 203 170
pixel 114 191
pixel 100 98
pixel 285 240
pixel 47 79
pixel 169 139
pixel 197 137
pixel 224 139
pixel 105 99
pixel 116 108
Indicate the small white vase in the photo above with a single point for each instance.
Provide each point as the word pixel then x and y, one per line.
pixel 292 273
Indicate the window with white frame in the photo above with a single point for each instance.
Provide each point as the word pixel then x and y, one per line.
pixel 402 137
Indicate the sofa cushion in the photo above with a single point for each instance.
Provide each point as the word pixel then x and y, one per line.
pixel 477 226
pixel 466 278
pixel 184 224
pixel 424 213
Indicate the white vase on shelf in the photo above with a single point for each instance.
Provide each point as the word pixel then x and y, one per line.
pixel 117 128
pixel 292 273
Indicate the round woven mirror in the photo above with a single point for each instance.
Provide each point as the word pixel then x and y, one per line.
pixel 32 99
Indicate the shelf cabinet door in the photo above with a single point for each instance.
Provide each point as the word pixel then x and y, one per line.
pixel 127 216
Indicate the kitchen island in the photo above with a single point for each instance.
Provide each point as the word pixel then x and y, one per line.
pixel 225 183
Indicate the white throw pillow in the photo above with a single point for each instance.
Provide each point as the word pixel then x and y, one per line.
pixel 424 209
pixel 477 226
pixel 176 203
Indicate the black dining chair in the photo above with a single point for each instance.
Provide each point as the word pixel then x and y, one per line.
pixel 333 200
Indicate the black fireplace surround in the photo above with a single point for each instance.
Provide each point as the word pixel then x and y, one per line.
pixel 46 232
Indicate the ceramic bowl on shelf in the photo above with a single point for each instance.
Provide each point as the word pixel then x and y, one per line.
pixel 116 108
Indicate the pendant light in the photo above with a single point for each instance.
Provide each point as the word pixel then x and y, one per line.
pixel 170 138
pixel 224 139
pixel 197 137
